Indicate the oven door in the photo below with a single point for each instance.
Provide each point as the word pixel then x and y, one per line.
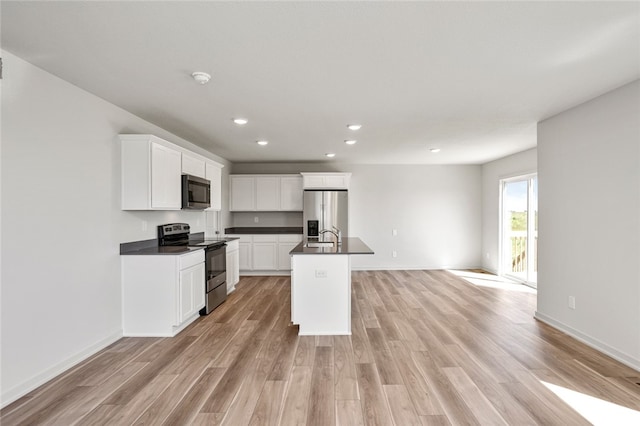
pixel 216 264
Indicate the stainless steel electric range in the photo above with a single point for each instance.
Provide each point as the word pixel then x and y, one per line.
pixel 179 234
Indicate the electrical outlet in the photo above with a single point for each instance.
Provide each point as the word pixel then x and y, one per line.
pixel 144 225
pixel 394 253
pixel 394 232
pixel 256 219
pixel 321 273
pixel 572 302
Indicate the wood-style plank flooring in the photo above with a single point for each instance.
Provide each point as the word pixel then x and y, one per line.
pixel 428 348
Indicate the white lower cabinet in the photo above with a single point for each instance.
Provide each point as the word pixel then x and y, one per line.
pixel 161 294
pixel 265 253
pixel 286 243
pixel 244 248
pixel 191 292
pixel 233 264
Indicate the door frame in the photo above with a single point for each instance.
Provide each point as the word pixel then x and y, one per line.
pixel 525 176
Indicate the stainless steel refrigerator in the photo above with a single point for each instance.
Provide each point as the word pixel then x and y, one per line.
pixel 324 209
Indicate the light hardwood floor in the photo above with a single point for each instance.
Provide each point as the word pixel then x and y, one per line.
pixel 428 348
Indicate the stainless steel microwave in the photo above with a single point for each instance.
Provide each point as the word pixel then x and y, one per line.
pixel 196 193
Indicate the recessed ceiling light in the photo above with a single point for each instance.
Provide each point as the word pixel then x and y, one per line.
pixel 330 154
pixel 434 150
pixel 350 141
pixel 354 126
pixel 262 142
pixel 240 121
pixel 201 77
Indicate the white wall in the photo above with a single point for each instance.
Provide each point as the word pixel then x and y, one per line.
pixel 514 165
pixel 62 224
pixel 589 223
pixel 435 209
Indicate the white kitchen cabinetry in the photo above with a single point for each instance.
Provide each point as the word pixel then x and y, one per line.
pixel 265 193
pixel 260 253
pixel 286 243
pixel 151 171
pixel 213 172
pixel 165 182
pixel 242 193
pixel 161 294
pixel 192 292
pixel 265 252
pixel 291 193
pixel 244 252
pixel 326 180
pixel 193 166
pixel 233 264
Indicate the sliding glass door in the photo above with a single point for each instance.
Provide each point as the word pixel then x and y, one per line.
pixel 519 242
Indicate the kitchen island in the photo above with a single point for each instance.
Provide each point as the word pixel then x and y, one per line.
pixel 321 286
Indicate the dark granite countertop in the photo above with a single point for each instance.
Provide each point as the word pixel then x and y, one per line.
pixel 160 250
pixel 151 247
pixel 350 245
pixel 264 230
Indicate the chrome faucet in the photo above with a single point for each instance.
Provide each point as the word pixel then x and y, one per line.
pixel 335 231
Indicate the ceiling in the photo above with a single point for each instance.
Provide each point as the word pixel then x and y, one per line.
pixel 470 78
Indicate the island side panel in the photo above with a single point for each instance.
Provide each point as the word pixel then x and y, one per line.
pixel 321 294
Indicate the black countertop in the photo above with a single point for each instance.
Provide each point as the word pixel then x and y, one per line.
pixel 161 250
pixel 350 245
pixel 151 247
pixel 264 230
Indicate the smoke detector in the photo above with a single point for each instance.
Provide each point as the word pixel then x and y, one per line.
pixel 201 77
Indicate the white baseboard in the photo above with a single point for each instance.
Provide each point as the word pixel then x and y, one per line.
pixel 365 268
pixel 410 268
pixel 265 273
pixel 489 270
pixel 22 389
pixel 596 344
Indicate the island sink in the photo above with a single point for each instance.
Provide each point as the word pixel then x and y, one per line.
pixel 319 244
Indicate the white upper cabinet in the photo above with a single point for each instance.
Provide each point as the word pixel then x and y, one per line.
pixel 326 180
pixel 193 166
pixel 265 193
pixel 242 193
pixel 213 172
pixel 291 193
pixel 151 171
pixel 165 178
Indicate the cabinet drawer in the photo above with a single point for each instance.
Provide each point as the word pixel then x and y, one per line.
pixel 265 238
pixel 290 238
pixel 188 260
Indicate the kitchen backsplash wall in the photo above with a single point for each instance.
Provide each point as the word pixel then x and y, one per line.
pixel 266 219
